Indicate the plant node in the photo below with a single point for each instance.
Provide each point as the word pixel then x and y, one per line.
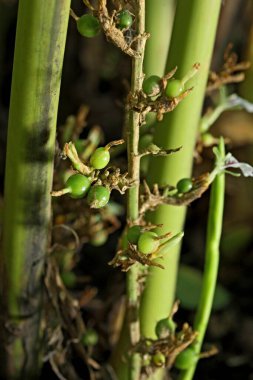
pixel 140 102
pixel 169 195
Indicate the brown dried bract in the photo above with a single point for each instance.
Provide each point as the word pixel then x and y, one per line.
pixel 112 177
pixel 149 200
pixel 125 258
pixel 64 326
pixel 231 71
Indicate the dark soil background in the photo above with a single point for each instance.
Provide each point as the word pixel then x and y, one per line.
pixel 96 74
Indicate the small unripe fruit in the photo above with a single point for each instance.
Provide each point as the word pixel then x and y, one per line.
pixel 124 19
pixel 151 85
pixel 100 158
pixel 78 185
pixel 174 88
pixel 165 327
pixel 184 185
pixel 185 359
pixel 89 338
pixel 147 242
pixel 158 359
pixel 88 25
pixel 98 196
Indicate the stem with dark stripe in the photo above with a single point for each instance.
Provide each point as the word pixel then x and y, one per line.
pixel 39 50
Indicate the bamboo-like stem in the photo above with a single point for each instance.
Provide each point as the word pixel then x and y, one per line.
pixel 159 22
pixel 133 192
pixel 39 49
pixel 192 41
pixel 214 229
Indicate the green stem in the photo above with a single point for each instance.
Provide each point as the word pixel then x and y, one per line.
pixel 133 193
pixel 155 26
pixel 214 229
pixel 39 50
pixel 192 41
pixel 160 28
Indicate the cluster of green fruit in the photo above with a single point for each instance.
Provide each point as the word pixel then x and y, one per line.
pixel 78 185
pixel 152 87
pixel 185 358
pixel 183 361
pixel 89 25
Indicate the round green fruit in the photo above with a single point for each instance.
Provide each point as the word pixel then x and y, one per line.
pixel 164 327
pixel 174 88
pixel 124 19
pixel 98 196
pixel 100 158
pixel 133 234
pixel 184 185
pixel 89 338
pixel 151 85
pixel 78 185
pixel 88 25
pixel 185 359
pixel 158 359
pixel 147 242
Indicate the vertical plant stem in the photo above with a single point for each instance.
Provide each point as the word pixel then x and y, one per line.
pixel 159 22
pixel 39 49
pixel 192 41
pixel 133 192
pixel 214 229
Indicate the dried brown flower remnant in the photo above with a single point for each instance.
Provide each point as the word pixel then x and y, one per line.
pixel 231 71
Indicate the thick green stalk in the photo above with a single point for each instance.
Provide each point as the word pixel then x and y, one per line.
pixel 39 49
pixel 159 22
pixel 192 41
pixel 214 229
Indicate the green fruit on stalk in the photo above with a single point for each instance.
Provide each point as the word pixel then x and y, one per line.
pixel 151 85
pixel 147 242
pixel 88 26
pixel 100 158
pixel 98 196
pixel 186 359
pixel 174 88
pixel 89 338
pixel 78 185
pixel 124 19
pixel 184 185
